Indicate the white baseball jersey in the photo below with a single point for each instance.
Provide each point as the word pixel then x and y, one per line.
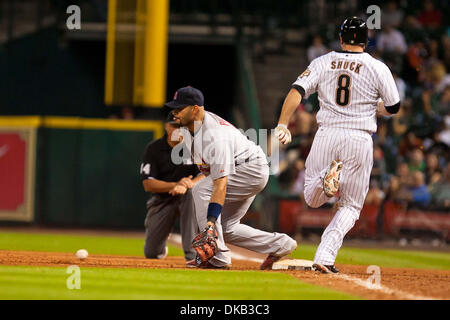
pixel 349 85
pixel 217 147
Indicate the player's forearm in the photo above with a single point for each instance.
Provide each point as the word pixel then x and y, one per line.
pixel 290 104
pixel 157 186
pixel 219 191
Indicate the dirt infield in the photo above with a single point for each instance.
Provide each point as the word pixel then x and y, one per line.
pixel 396 283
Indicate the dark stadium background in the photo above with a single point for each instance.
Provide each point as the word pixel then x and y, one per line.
pixel 243 55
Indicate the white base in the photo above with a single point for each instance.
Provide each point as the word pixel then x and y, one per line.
pixel 292 264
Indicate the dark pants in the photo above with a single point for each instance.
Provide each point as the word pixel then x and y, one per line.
pixel 161 216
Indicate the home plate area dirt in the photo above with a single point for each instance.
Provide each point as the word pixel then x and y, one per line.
pixel 396 283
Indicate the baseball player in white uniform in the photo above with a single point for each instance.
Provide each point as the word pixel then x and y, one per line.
pixel 352 87
pixel 236 169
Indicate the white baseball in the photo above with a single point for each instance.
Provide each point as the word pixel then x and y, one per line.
pixel 82 254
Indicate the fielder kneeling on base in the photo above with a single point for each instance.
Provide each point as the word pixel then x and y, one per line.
pixel 236 170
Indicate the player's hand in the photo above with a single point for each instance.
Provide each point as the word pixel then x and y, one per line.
pixel 187 182
pixel 177 190
pixel 283 134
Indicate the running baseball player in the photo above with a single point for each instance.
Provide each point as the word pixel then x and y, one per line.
pixel 350 84
pixel 236 169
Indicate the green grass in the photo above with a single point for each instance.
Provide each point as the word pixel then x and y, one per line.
pixel 134 247
pixel 71 243
pixel 103 283
pixel 382 257
pixel 20 282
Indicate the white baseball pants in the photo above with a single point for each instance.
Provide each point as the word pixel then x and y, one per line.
pixel 242 187
pixel 355 149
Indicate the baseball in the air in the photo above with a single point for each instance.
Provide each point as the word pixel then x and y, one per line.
pixel 82 254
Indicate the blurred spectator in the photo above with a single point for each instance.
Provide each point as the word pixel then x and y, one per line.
pixel 408 142
pixel 433 52
pixel 380 136
pixel 430 17
pixel 317 9
pixel 433 170
pixel 440 190
pixel 418 189
pixel 371 42
pixel 411 23
pixel 302 123
pixel 437 104
pixel 416 56
pixel 403 176
pixel 316 49
pixel 127 113
pixel 391 41
pixel 287 169
pixel 446 47
pixel 379 166
pixel 401 86
pixel 416 162
pixel 443 136
pixel 416 193
pixel 299 183
pixel 398 191
pixel 391 44
pixel 400 122
pixel 443 106
pixel 392 15
pixel 439 77
pixel 375 195
pixel 436 98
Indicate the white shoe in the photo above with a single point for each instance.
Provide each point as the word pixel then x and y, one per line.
pixel 163 255
pixel 331 179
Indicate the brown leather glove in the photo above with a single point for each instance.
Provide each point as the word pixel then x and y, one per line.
pixel 205 243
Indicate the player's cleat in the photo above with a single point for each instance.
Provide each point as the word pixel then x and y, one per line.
pixel 197 263
pixel 331 178
pixel 325 269
pixel 164 254
pixel 268 262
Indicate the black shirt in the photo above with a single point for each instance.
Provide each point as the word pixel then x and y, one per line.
pixel 157 163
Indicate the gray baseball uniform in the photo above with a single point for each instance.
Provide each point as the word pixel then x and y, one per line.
pixel 159 222
pixel 349 86
pixel 219 149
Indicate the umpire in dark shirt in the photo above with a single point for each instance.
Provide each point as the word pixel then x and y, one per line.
pixel 170 185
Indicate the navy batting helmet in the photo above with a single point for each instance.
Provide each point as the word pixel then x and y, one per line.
pixel 354 31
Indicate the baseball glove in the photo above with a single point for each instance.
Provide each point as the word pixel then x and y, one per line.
pixel 205 243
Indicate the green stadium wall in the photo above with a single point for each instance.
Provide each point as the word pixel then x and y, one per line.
pixel 87 172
